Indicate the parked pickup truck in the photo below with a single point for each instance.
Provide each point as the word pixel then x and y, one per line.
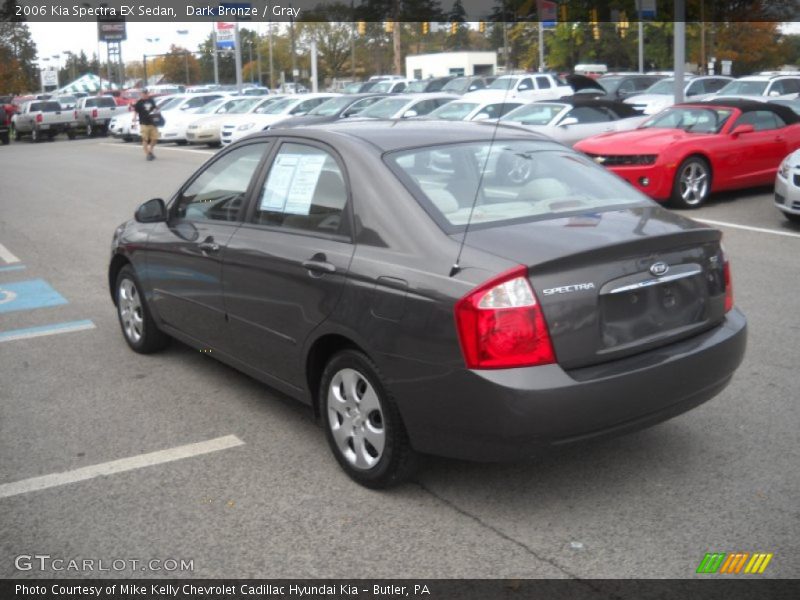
pixel 94 113
pixel 40 118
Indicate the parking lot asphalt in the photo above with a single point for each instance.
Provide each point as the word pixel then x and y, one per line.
pixel 270 501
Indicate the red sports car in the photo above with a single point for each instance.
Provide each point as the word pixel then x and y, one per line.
pixel 687 151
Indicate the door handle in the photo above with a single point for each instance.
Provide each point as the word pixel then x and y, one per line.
pixel 319 266
pixel 208 246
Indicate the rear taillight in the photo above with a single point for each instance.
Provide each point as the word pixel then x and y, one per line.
pixel 500 324
pixel 39 118
pixel 726 270
pixel 94 113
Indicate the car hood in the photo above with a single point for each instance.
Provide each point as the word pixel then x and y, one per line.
pixel 211 120
pixel 637 141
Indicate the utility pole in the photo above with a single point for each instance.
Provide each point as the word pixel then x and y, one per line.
pixel 398 50
pixel 641 35
pixel 271 63
pixel 679 47
pixel 237 41
pixel 258 57
pixel 216 60
pixel 541 45
pixel 294 53
pixel 314 83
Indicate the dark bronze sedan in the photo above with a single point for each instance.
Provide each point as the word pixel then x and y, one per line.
pixel 464 290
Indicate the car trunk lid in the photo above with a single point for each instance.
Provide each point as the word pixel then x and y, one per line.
pixel 616 283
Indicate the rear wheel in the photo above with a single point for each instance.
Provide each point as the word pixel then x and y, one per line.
pixel 35 135
pixel 90 131
pixel 70 134
pixel 362 423
pixel 137 324
pixel 17 134
pixel 692 183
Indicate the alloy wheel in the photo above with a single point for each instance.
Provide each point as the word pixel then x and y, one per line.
pixel 130 311
pixel 693 183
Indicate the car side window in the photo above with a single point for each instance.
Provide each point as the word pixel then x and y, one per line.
pixel 542 83
pixel 219 191
pixel 790 86
pixel 305 190
pixel 306 106
pixel 525 84
pixel 761 120
pixel 626 87
pixel 695 88
pixel 715 85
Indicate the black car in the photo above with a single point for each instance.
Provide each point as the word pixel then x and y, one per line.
pixel 616 86
pixel 462 85
pixel 425 86
pixel 465 290
pixel 341 107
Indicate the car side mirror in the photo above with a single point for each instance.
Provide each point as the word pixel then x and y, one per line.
pixel 568 121
pixel 774 93
pixel 152 211
pixel 744 128
pixel 409 113
pixel 481 116
pixel 524 87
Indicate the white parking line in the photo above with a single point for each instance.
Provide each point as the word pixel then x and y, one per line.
pixel 43 330
pixel 118 466
pixel 7 257
pixel 749 228
pixel 159 148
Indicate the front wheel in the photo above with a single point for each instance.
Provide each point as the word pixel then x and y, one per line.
pixel 362 423
pixel 137 324
pixel 692 183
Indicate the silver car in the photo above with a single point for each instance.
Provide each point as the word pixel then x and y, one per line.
pixel 787 187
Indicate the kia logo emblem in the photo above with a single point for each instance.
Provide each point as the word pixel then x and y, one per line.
pixel 658 269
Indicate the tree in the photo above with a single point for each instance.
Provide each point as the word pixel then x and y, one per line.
pixel 18 70
pixel 457 19
pixel 180 66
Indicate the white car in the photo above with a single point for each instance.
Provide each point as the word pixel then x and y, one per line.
pixel 476 110
pixel 125 126
pixel 174 111
pixel 285 108
pixel 530 87
pixel 176 127
pixel 390 86
pixel 205 128
pixel 773 86
pixel 661 94
pixel 576 118
pixel 404 106
pixel 787 187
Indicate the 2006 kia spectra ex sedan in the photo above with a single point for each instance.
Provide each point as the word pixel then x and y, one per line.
pixel 464 290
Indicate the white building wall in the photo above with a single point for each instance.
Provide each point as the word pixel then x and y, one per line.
pixel 423 66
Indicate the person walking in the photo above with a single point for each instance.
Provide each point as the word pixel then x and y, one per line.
pixel 147 113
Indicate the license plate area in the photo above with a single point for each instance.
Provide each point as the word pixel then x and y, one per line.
pixel 639 314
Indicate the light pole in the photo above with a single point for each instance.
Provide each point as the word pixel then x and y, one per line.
pixel 250 63
pixel 144 59
pixel 185 56
pixel 271 63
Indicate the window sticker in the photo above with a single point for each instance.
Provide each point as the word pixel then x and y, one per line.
pixel 291 183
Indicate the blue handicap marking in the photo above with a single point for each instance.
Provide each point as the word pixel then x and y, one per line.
pixel 27 295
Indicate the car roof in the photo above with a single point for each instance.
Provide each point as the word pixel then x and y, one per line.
pixel 389 135
pixel 616 105
pixel 784 112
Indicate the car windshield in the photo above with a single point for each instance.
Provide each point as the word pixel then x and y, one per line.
pixel 276 108
pixel 694 119
pixel 331 107
pixel 490 183
pixel 383 86
pixel 665 87
pixel 737 88
pixel 534 114
pixel 454 111
pixel 211 107
pixel 385 109
pixel 352 88
pixel 416 86
pixel 455 85
pixel 67 99
pixel 610 84
pixel 172 103
pixel 503 83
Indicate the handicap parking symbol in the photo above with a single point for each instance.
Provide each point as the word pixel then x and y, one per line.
pixel 27 295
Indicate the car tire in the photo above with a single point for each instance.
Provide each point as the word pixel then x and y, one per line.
pixel 90 132
pixel 363 424
pixel 35 135
pixel 692 183
pixel 138 327
pixel 17 134
pixel 793 218
pixel 181 142
pixel 70 134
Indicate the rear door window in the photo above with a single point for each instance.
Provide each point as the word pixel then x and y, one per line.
pixel 305 190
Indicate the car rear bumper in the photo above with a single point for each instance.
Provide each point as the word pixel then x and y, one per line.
pixel 659 179
pixel 787 195
pixel 510 414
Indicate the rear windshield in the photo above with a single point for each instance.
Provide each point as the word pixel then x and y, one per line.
pixel 506 181
pixel 755 88
pixel 45 106
pixel 100 102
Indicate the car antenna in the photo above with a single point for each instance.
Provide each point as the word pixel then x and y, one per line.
pixel 456 268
